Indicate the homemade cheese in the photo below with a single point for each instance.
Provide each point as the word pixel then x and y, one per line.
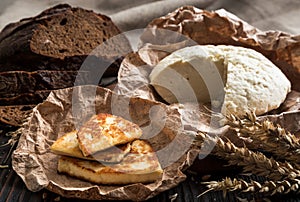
pixel 103 131
pixel 68 145
pixel 141 165
pixel 234 79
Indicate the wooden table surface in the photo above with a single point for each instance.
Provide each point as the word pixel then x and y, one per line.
pixel 12 188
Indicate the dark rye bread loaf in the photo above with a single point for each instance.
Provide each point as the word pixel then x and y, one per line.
pixel 60 38
pixel 45 53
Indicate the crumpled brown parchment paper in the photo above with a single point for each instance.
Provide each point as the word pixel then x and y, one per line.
pixel 37 166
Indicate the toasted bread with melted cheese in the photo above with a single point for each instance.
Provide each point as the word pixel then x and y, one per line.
pixel 68 145
pixel 139 166
pixel 102 131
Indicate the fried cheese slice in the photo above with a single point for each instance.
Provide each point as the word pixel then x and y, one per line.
pixel 103 131
pixel 68 145
pixel 141 165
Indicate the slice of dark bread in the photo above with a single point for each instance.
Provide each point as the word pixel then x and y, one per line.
pixel 25 98
pixel 60 38
pixel 13 83
pixel 39 96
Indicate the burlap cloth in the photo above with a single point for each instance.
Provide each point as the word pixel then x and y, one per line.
pixel 265 15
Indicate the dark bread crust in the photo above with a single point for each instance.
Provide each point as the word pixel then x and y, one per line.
pixel 60 38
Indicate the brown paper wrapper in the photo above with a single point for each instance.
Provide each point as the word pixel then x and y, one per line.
pixel 37 166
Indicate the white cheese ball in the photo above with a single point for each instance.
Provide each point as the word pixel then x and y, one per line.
pixel 236 79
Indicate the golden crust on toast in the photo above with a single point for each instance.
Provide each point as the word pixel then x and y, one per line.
pixel 68 145
pixel 139 166
pixel 102 131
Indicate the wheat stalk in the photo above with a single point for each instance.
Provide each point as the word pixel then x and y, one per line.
pixel 267 188
pixel 270 138
pixel 254 162
pixel 14 138
pixel 282 177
